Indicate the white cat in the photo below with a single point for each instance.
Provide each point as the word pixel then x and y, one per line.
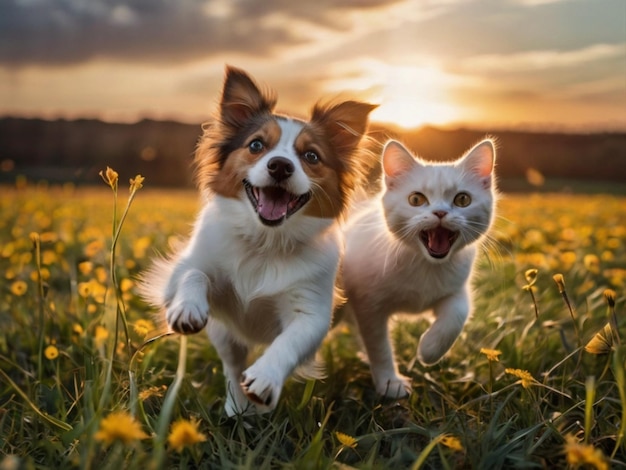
pixel 411 249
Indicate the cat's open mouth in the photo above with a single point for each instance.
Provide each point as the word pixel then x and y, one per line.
pixel 274 204
pixel 438 241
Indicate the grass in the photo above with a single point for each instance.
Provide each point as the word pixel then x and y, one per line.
pixel 81 388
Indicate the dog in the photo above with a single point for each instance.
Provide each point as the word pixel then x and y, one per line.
pixel 260 265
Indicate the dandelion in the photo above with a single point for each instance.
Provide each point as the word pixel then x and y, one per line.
pixel 19 288
pixel 531 278
pixel 609 296
pixel 136 183
pixel 526 378
pixel 592 263
pixel 184 433
pixel 84 289
pixel 492 354
pixel 580 454
pixel 143 327
pixel 346 440
pixel 85 267
pixel 119 426
pixel 126 285
pixel 100 336
pixel 154 391
pixel 51 352
pixel 560 282
pixel 602 341
pixel 110 177
pixel 452 442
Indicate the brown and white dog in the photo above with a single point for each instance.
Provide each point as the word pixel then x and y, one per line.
pixel 261 262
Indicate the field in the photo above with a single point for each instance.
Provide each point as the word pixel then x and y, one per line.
pixel 536 380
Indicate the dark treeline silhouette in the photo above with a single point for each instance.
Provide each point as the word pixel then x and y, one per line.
pixel 75 151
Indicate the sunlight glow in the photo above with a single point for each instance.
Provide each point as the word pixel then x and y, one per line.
pixel 408 96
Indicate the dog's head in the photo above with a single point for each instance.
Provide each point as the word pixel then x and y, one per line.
pixel 282 166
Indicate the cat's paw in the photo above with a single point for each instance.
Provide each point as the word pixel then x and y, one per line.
pixel 261 388
pixel 394 387
pixel 186 316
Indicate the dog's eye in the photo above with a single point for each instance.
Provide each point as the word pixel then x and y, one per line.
pixel 256 146
pixel 462 200
pixel 417 199
pixel 311 157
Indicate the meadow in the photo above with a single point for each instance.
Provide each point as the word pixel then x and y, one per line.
pixel 87 381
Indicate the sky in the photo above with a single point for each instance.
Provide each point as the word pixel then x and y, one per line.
pixel 535 64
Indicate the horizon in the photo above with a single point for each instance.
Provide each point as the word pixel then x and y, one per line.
pixel 516 65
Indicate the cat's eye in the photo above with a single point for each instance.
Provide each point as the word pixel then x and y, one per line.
pixel 417 199
pixel 462 200
pixel 256 146
pixel 311 157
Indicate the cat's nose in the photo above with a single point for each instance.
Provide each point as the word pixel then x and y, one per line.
pixel 440 214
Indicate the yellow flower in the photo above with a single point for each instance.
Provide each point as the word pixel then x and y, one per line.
pixel 84 289
pixel 531 276
pixel 136 183
pixel 51 352
pixel 110 177
pixel 184 433
pixel 609 295
pixel 602 341
pixel 592 263
pixel 153 391
pixel 579 454
pixel 492 354
pixel 77 329
pixel 19 288
pixel 452 442
pixel 126 285
pixel 346 440
pixel 560 282
pixel 143 327
pixel 85 267
pixel 93 248
pixel 100 335
pixel 119 426
pixel 526 377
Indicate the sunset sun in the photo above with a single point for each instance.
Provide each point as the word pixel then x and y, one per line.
pixel 414 96
pixel 408 96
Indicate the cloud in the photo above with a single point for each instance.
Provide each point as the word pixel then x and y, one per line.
pixel 543 59
pixel 68 32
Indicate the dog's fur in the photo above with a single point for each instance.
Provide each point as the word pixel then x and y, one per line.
pixel 261 262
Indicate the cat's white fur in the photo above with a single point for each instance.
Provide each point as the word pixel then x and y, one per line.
pixel 388 269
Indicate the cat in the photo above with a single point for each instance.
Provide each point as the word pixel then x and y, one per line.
pixel 411 249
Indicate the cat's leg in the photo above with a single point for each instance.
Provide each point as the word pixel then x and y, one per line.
pixel 450 316
pixel 305 321
pixel 233 355
pixel 374 330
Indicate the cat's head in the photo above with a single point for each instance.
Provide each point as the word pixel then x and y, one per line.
pixel 439 207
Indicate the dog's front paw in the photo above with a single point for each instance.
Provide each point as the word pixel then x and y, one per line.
pixel 261 388
pixel 188 316
pixel 394 387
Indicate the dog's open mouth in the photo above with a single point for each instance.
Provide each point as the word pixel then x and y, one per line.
pixel 438 241
pixel 273 203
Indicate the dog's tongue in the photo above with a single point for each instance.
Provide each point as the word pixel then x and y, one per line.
pixel 273 203
pixel 439 240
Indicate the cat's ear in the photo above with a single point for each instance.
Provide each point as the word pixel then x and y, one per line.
pixel 480 161
pixel 397 160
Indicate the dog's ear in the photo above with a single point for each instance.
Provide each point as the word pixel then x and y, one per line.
pixel 345 123
pixel 242 99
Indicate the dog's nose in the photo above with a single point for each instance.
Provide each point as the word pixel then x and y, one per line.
pixel 280 168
